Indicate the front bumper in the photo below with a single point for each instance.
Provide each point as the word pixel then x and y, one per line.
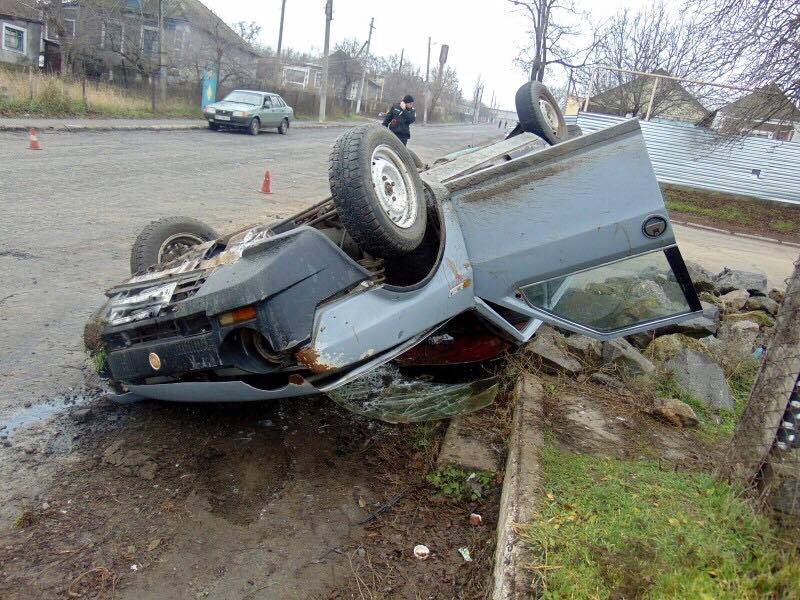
pixel 285 277
pixel 232 122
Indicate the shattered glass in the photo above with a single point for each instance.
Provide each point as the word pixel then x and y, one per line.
pixel 388 395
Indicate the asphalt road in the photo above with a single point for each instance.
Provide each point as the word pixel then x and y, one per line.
pixel 71 211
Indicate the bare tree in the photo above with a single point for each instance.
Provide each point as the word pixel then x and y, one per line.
pixel 760 39
pixel 552 31
pixel 445 91
pixel 651 41
pixel 250 32
pixel 346 65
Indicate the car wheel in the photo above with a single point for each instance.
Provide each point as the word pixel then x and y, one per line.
pixel 166 239
pixel 377 191
pixel 539 114
pixel 283 127
pixel 254 126
pixel 417 161
pixel 213 126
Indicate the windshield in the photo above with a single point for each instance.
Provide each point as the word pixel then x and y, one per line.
pixel 243 98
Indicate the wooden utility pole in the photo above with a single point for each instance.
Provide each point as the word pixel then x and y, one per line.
pixel 280 29
pixel 364 73
pixel 427 92
pixel 652 97
pixel 400 69
pixel 162 54
pixel 750 447
pixel 323 91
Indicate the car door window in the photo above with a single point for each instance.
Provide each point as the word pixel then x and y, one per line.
pixel 616 296
pixel 267 102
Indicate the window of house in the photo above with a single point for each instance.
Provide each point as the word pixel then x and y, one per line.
pixel 113 33
pixel 295 76
pixel 149 41
pixel 13 38
pixel 69 28
pixel 318 79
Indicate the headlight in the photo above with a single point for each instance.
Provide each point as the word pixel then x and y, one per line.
pixel 239 113
pixel 211 110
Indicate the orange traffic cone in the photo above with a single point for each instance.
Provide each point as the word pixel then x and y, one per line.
pixel 33 143
pixel 265 187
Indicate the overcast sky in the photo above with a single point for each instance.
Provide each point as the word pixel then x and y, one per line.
pixel 484 37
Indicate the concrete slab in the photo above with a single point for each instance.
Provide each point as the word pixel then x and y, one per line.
pixel 521 488
pixel 463 449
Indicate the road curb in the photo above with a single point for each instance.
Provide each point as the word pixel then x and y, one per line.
pixel 760 238
pixel 145 127
pixel 521 486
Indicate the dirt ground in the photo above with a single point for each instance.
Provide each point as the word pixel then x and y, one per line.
pixel 261 500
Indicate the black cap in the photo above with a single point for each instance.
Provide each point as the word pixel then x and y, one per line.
pixel 408 98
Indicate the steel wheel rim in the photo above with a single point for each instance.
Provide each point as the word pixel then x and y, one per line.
pixel 176 245
pixel 394 187
pixel 550 115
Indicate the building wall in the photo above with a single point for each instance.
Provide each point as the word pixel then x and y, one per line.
pixel 33 34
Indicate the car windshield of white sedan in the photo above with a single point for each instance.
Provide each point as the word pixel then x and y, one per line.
pixel 243 98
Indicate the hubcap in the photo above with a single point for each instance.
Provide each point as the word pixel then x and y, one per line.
pixel 176 245
pixel 550 114
pixel 394 187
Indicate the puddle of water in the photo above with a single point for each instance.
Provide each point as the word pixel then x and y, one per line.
pixel 40 412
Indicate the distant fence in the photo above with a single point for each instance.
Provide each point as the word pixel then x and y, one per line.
pixel 683 154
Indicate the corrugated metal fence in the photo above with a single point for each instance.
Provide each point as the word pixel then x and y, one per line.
pixel 686 155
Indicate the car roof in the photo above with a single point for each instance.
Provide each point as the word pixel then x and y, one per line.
pixel 256 92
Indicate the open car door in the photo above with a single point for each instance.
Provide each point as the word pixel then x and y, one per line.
pixel 576 235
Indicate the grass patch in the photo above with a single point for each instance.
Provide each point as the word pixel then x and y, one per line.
pixel 715 425
pixel 751 214
pixel 457 484
pixel 626 529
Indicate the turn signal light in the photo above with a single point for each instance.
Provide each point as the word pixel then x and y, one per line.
pixel 246 313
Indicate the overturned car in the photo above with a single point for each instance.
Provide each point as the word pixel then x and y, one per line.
pixel 449 264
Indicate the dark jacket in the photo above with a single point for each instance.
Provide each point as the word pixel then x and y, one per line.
pixel 398 121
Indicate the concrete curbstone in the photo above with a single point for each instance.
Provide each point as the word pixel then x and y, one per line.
pixel 521 487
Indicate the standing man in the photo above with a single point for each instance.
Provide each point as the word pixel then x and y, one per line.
pixel 400 117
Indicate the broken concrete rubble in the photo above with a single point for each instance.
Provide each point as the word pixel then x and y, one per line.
pixel 705 324
pixel 734 300
pixel 730 279
pixel 702 378
pixel 737 338
pixel 762 303
pixel 664 347
pixel 549 346
pixel 627 358
pixel 587 349
pixel 756 316
pixel 702 278
pixel 675 412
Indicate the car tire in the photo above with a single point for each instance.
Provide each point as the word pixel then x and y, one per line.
pixel 377 191
pixel 539 114
pixel 417 161
pixel 213 126
pixel 166 239
pixel 283 127
pixel 254 127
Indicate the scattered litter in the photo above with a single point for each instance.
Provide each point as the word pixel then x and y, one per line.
pixel 620 419
pixel 759 352
pixel 475 519
pixel 153 544
pixel 464 552
pixel 45 505
pixel 134 567
pixel 362 502
pixel 421 551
